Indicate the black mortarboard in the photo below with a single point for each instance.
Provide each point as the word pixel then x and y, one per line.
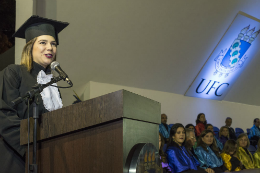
pixel 36 26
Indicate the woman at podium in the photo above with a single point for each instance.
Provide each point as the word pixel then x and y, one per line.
pixel 15 80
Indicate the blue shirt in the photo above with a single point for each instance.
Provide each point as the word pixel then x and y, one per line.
pixel 179 160
pixel 208 159
pixel 165 132
pixel 254 131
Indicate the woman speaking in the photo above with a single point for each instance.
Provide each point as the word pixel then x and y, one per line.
pixel 41 36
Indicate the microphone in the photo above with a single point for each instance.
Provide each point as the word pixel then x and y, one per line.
pixel 56 66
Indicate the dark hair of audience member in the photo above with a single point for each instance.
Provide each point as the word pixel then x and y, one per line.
pixel 213 146
pixel 172 133
pixel 230 146
pixel 206 127
pixel 256 119
pixel 241 136
pixel 188 125
pixel 198 117
pixel 188 144
pixel 161 152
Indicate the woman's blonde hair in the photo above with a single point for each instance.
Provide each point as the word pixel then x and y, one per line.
pixel 241 136
pixel 221 129
pixel 27 57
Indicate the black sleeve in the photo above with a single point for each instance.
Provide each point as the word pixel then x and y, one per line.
pixel 9 120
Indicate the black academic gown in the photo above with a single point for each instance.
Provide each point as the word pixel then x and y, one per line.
pixel 15 81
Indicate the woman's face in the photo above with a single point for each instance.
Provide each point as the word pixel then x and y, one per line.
pixel 44 50
pixel 160 141
pixel 202 118
pixel 243 142
pixel 191 127
pixel 208 138
pixel 210 128
pixel 225 132
pixel 179 136
pixel 233 152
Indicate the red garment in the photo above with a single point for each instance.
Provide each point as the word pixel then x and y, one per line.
pixel 199 128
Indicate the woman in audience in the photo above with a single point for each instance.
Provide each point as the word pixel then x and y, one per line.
pixel 190 141
pixel 208 152
pixel 257 155
pixel 229 156
pixel 242 152
pixel 190 126
pixel 163 156
pixel 223 134
pixel 218 143
pixel 179 159
pixel 200 124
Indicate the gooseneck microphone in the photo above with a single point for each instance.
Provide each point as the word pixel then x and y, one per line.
pixel 56 66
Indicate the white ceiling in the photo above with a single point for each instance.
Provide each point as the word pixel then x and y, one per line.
pixel 150 44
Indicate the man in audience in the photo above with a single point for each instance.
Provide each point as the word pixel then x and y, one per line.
pixel 232 134
pixel 164 128
pixel 255 131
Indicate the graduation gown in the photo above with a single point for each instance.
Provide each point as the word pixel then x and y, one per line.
pixel 246 158
pixel 179 160
pixel 208 159
pixel 165 132
pixel 199 128
pixel 257 159
pixel 230 163
pixel 15 81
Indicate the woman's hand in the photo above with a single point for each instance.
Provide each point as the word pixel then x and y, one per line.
pixel 208 170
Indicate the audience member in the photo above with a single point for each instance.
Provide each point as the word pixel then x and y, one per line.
pixel 190 141
pixel 255 131
pixel 242 152
pixel 163 156
pixel 179 159
pixel 200 124
pixel 218 143
pixel 257 155
pixel 229 156
pixel 232 134
pixel 190 126
pixel 164 128
pixel 223 135
pixel 208 152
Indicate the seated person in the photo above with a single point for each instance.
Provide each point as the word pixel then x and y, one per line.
pixel 257 155
pixel 190 141
pixel 179 159
pixel 164 128
pixel 229 156
pixel 223 135
pixel 242 152
pixel 190 126
pixel 208 152
pixel 200 124
pixel 232 133
pixel 218 143
pixel 254 133
pixel 163 156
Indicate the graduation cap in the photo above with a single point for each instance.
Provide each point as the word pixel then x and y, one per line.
pixel 36 26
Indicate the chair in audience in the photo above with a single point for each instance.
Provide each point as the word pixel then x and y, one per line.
pixel 252 149
pixel 170 125
pixel 248 131
pixel 216 131
pixel 239 131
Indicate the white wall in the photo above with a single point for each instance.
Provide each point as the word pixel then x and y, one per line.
pixel 184 109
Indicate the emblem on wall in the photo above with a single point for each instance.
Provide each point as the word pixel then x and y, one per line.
pixel 229 61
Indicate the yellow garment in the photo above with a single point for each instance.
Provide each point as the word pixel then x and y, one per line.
pixel 257 159
pixel 247 161
pixel 226 159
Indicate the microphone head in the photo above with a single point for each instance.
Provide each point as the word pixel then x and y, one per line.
pixel 54 64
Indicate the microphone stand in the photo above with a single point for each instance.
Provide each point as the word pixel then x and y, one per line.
pixel 34 95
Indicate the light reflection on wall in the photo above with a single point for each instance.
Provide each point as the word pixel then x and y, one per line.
pixel 228 60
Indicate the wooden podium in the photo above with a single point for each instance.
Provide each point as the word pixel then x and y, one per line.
pixel 96 135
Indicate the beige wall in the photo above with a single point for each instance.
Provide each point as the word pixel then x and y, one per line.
pixel 184 109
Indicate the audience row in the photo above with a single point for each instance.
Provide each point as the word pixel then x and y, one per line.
pixel 198 149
